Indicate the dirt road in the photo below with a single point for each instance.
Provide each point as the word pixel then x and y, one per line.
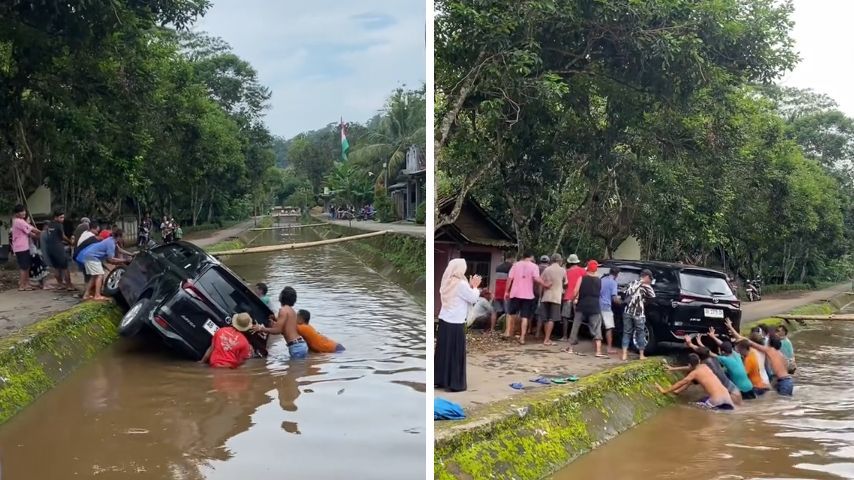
pixel 786 301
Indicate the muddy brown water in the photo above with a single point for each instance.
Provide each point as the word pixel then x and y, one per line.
pixel 137 412
pixel 810 436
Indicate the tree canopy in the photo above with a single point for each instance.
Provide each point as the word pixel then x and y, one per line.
pixel 578 124
pixel 118 108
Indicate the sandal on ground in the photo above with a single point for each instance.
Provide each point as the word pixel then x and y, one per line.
pixel 517 386
pixel 28 289
pixel 548 344
pixel 581 354
pixel 601 355
pixel 541 380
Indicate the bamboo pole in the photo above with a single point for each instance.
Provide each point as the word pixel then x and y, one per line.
pixel 294 246
pixel 284 227
pixel 836 316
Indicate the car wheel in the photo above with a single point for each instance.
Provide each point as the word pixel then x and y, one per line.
pixel 111 283
pixel 135 318
pixel 651 341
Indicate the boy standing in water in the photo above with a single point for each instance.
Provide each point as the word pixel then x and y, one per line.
pixel 261 291
pixel 316 342
pixel 786 347
pixel 286 325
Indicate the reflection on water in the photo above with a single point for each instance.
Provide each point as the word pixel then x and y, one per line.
pixel 808 436
pixel 137 412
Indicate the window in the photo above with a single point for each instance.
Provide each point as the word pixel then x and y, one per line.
pixel 233 299
pixel 702 283
pixel 184 258
pixel 480 264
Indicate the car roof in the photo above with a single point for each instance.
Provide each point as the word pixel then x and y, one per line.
pixel 656 265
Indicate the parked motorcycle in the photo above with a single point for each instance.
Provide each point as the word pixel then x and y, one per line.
pixel 753 289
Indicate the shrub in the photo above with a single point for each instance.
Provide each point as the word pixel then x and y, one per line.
pixel 383 206
pixel 421 213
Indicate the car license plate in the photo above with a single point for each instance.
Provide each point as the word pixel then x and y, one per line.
pixel 211 327
pixel 713 313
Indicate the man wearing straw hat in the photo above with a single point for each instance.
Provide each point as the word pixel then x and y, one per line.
pixel 229 346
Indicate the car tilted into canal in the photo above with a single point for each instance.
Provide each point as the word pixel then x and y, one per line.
pixel 184 295
pixel 688 299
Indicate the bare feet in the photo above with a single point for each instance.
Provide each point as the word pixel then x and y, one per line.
pixel 548 343
pixel 99 298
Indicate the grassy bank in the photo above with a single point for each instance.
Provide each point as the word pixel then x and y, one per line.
pixel 532 436
pixel 399 257
pixel 38 357
pixel 819 308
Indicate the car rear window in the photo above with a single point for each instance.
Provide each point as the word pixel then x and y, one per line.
pixel 184 258
pixel 625 277
pixel 218 286
pixel 703 284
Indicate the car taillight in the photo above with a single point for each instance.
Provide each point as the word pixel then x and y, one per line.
pixel 679 333
pixel 191 290
pixel 736 303
pixel 161 321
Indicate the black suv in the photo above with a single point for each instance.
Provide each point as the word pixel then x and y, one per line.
pixel 688 299
pixel 185 295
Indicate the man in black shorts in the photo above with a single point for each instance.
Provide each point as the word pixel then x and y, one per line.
pixel 520 289
pixel 54 250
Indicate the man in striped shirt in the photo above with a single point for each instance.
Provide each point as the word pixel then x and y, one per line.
pixel 634 318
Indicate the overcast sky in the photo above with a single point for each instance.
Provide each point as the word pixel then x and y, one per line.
pixel 324 59
pixel 823 38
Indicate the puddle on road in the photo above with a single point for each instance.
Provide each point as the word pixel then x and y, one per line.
pixel 137 412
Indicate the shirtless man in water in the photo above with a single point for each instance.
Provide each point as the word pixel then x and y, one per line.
pixel 286 324
pixel 779 363
pixel 718 396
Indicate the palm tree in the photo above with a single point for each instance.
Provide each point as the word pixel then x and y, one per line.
pixel 401 125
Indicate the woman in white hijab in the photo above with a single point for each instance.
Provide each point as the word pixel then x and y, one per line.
pixel 456 294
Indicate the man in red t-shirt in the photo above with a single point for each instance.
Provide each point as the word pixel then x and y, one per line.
pixel 499 303
pixel 573 275
pixel 229 347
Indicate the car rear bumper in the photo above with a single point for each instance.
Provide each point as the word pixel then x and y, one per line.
pixel 173 339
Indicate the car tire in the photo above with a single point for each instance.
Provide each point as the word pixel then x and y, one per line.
pixel 651 341
pixel 111 282
pixel 135 318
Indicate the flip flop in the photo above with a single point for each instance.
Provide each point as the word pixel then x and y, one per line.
pixel 581 354
pixel 572 378
pixel 517 386
pixel 601 355
pixel 559 381
pixel 541 381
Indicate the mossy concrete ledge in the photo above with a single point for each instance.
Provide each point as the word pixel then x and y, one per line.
pixel 531 436
pixel 39 356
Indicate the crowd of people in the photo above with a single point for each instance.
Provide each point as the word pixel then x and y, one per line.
pixel 740 371
pixel 230 347
pixel 349 212
pixel 39 248
pixel 533 297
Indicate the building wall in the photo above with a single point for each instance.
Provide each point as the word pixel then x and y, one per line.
pixel 445 252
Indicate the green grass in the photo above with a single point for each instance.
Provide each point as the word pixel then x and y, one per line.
pixel 225 245
pixel 822 308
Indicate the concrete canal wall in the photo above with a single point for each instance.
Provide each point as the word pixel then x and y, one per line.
pixel 531 436
pixel 41 355
pixel 399 257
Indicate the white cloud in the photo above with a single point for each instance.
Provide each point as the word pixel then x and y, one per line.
pixel 823 35
pixel 324 59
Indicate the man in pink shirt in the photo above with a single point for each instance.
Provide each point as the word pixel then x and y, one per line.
pixel 21 233
pixel 573 275
pixel 520 291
